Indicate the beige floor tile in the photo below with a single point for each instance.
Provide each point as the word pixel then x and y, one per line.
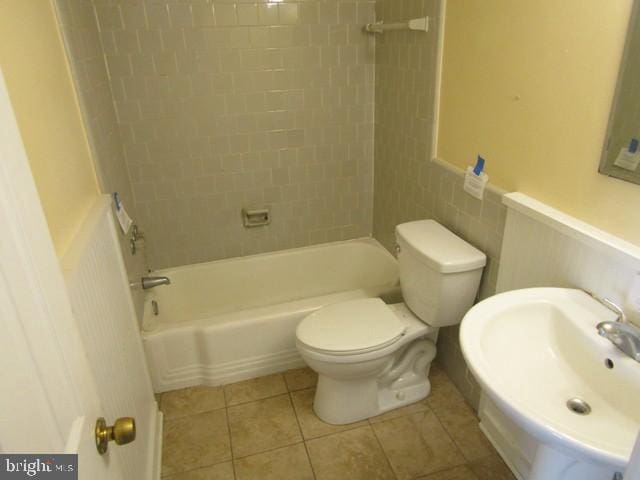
pixel 288 463
pixel 221 471
pixel 416 407
pixel 352 455
pixel 300 378
pixel 311 425
pixel 195 441
pixel 457 473
pixel 254 389
pixel 191 401
pixel 417 445
pixel 491 468
pixel 460 421
pixel 263 425
pixel 443 391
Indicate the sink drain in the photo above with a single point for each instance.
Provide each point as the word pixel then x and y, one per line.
pixel 579 406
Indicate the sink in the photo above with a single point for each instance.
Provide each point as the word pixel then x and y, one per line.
pixel 538 357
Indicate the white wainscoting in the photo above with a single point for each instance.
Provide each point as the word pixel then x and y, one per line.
pixel 543 247
pixel 99 292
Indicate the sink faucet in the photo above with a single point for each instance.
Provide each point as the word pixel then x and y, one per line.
pixel 620 332
pixel 609 304
pixel 625 336
pixel 150 282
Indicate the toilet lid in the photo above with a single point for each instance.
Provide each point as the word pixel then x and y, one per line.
pixel 355 326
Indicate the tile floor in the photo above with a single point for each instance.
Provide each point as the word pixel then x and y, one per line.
pixel 265 428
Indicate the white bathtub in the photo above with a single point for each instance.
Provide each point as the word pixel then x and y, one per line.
pixel 229 320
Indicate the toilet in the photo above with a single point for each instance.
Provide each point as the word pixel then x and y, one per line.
pixel 372 357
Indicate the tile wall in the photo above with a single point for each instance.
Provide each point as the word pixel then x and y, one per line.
pixel 79 28
pixel 224 105
pixel 407 184
pixel 482 224
pixel 404 99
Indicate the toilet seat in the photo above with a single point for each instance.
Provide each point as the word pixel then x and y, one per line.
pixel 350 328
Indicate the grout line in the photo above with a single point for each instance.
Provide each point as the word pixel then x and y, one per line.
pixel 233 463
pixel 288 444
pixel 347 428
pixel 165 420
pixel 453 441
pixel 427 408
pixel 304 442
pixel 344 428
pixel 269 450
pixel 224 389
pixel 384 452
pixel 258 399
pixel 451 468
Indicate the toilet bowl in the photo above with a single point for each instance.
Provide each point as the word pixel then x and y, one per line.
pixel 372 357
pixel 356 379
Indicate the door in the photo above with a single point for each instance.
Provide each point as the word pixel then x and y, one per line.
pixel 53 388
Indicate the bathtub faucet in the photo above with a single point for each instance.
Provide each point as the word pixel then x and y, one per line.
pixel 150 282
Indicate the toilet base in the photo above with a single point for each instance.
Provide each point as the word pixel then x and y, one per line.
pixel 350 398
pixel 342 402
pixel 391 399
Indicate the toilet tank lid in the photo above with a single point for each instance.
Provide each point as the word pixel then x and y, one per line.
pixel 440 248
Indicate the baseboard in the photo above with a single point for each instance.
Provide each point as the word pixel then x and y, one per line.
pixel 155 461
pixel 173 379
pixel 508 445
pixel 502 446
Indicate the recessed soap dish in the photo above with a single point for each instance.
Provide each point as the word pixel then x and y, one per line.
pixel 256 217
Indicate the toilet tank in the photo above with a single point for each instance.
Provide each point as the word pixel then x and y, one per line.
pixel 439 272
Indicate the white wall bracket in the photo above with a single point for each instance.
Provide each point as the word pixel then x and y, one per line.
pixel 419 24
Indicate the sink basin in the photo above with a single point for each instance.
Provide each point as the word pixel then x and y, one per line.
pixel 535 350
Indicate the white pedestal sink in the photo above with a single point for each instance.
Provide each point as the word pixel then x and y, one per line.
pixel 540 360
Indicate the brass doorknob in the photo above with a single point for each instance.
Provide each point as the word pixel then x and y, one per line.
pixel 122 432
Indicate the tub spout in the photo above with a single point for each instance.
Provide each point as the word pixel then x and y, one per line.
pixel 150 282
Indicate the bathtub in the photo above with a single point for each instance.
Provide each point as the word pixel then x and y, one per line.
pixel 229 320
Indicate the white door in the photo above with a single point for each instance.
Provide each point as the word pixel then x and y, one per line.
pixel 54 386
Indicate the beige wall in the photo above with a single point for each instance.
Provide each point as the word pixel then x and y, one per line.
pixel 37 76
pixel 529 85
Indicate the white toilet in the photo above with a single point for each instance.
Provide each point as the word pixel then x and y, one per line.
pixel 372 357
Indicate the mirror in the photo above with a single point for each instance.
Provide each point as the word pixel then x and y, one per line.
pixel 621 152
